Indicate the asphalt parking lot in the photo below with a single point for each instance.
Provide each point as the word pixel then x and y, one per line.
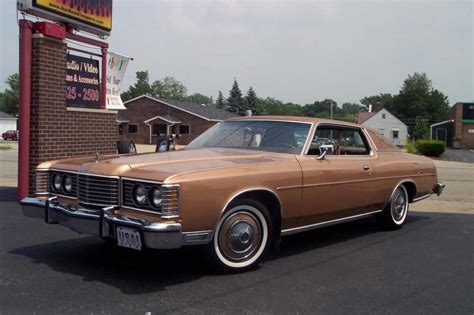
pixel 426 267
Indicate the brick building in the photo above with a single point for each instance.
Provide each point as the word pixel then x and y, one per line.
pixel 148 117
pixel 462 115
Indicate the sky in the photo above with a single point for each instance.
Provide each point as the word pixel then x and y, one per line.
pixel 296 51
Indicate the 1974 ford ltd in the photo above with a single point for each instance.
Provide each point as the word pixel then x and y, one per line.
pixel 238 187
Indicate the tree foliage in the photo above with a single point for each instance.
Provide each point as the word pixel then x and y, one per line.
pixel 141 87
pixel 235 101
pixel 378 102
pixel 220 102
pixel 168 87
pixel 198 98
pixel 9 99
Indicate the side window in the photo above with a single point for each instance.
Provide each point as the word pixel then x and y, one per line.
pixel 339 141
pixel 132 128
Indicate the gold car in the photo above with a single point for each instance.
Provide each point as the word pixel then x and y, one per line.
pixel 238 187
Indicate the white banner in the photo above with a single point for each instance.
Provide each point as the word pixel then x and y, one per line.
pixel 116 66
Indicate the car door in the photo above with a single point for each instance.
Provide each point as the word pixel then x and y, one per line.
pixel 339 184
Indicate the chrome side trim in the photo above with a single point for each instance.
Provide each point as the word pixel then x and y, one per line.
pixel 421 198
pixel 356 181
pixel 325 223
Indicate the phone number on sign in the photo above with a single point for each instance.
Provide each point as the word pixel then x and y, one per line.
pixel 86 95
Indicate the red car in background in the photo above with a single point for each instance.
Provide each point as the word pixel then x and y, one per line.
pixel 10 135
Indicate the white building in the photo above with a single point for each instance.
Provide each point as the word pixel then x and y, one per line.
pixel 7 122
pixel 387 124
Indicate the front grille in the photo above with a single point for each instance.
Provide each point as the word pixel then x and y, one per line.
pixel 97 190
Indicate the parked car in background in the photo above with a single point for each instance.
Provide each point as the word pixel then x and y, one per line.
pixel 10 135
pixel 237 188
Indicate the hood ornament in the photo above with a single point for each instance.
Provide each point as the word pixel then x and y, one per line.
pixel 96 156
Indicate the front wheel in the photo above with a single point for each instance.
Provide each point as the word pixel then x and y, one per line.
pixel 242 235
pixel 395 213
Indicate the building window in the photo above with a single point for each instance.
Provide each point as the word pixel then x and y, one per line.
pixel 383 116
pixel 159 129
pixel 132 128
pixel 395 134
pixel 184 130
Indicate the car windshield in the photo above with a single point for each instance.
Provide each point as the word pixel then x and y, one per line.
pixel 262 135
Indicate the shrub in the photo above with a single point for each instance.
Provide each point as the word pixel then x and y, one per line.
pixel 410 147
pixel 431 147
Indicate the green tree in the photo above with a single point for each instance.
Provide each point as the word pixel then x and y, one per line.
pixel 170 88
pixel 9 99
pixel 220 102
pixel 383 100
pixel 141 87
pixel 352 108
pixel 418 98
pixel 251 102
pixel 273 106
pixel 321 109
pixel 421 129
pixel 235 101
pixel 198 98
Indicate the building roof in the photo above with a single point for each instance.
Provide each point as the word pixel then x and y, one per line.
pixel 6 116
pixel 204 111
pixel 363 116
pixel 167 118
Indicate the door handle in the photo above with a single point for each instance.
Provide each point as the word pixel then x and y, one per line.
pixel 366 167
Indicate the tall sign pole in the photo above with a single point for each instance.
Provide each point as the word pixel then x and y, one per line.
pixel 26 30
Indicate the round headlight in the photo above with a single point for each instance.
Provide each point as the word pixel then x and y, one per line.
pixel 57 181
pixel 139 194
pixel 67 184
pixel 155 197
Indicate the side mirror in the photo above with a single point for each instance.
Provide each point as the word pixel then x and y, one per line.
pixel 322 156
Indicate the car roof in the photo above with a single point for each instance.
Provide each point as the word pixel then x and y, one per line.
pixel 312 120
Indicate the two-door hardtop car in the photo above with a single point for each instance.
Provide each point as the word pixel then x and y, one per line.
pixel 238 187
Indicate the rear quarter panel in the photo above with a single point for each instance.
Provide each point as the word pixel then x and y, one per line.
pixel 392 168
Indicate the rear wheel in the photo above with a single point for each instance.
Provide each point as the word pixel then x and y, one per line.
pixel 395 213
pixel 242 235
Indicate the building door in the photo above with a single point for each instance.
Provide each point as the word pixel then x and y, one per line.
pixel 441 134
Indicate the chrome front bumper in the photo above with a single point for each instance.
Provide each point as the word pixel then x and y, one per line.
pixel 154 234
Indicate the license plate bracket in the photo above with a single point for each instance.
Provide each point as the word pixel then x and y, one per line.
pixel 127 237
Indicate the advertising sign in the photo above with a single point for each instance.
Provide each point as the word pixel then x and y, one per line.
pixel 93 16
pixel 116 66
pixel 82 82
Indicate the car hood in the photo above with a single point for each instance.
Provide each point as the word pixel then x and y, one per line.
pixel 160 166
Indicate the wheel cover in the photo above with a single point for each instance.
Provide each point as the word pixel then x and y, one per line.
pixel 399 205
pixel 241 236
pixel 132 148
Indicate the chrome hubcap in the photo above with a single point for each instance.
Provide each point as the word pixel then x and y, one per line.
pixel 240 236
pixel 399 205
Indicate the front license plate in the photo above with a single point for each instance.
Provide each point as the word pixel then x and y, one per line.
pixel 128 238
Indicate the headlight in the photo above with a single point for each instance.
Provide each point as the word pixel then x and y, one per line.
pixel 57 181
pixel 155 197
pixel 139 194
pixel 67 184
